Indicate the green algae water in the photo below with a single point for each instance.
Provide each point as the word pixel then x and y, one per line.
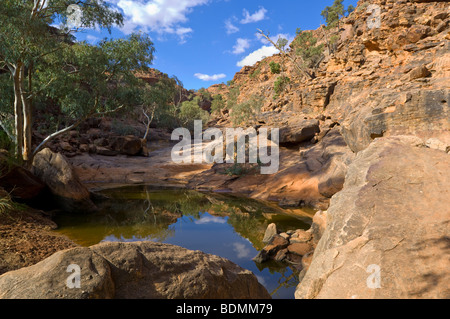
pixel 219 224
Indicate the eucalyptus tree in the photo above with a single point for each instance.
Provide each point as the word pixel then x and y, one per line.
pixel 45 63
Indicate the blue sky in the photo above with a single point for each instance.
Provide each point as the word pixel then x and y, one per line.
pixel 204 42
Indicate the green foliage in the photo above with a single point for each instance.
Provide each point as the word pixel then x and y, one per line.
pixel 5 142
pixel 205 94
pixel 306 47
pixel 191 111
pixel 282 42
pixel 280 84
pixel 255 73
pixel 218 104
pixel 6 205
pixel 232 97
pixel 230 83
pixel 335 12
pixel 85 78
pixel 236 169
pixel 78 78
pixel 350 9
pixel 246 112
pixel 275 68
pixel 121 128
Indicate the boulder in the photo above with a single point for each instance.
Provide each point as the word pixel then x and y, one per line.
pixel 299 131
pixel 387 231
pixel 21 183
pixel 56 172
pixel 138 270
pixel 127 145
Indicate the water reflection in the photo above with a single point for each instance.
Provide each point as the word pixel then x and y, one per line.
pixel 227 226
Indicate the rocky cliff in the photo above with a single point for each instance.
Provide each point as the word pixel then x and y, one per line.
pixel 380 102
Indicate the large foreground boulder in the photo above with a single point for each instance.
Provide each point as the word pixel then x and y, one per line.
pixel 387 233
pixel 57 173
pixel 139 270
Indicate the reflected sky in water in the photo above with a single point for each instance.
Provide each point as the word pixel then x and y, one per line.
pixel 222 226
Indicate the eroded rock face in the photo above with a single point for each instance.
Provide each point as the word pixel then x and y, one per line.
pixel 142 270
pixel 392 215
pixel 56 172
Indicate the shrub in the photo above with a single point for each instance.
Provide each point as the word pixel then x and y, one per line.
pixel 306 47
pixel 280 84
pixel 275 68
pixel 191 111
pixel 246 112
pixel 217 104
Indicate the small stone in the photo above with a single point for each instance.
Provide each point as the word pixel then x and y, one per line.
pixel 437 144
pixel 419 72
pixel 301 236
pixel 277 243
pixel 261 257
pixel 281 255
pixel 285 235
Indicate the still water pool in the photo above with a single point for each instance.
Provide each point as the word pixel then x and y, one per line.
pixel 228 226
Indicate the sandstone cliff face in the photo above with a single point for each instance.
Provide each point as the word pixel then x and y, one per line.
pixel 385 92
pixel 382 80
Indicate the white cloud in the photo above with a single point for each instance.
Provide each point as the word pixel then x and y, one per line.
pixel 258 55
pixel 161 16
pixel 206 77
pixel 241 250
pixel 255 17
pixel 91 39
pixel 230 27
pixel 241 45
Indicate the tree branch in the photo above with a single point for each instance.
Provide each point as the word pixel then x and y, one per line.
pixel 293 60
pixel 74 125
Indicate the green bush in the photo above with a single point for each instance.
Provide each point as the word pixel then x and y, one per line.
pixel 280 84
pixel 245 113
pixel 122 129
pixel 217 104
pixel 275 68
pixel 306 47
pixel 191 111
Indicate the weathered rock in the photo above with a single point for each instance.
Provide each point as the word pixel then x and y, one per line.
pixel 277 243
pixel 55 171
pixel 281 255
pixel 299 131
pixel 142 270
pixel 419 72
pixel 423 113
pixel 270 232
pixel 319 225
pixel 300 249
pixel 437 144
pixel 21 183
pixel 300 236
pixel 127 145
pixel 392 215
pixel 100 150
